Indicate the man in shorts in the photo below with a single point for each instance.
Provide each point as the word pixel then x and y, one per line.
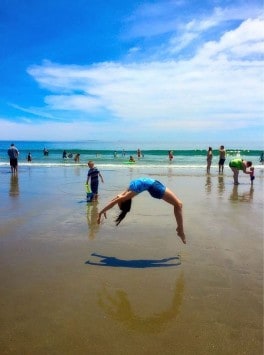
pixel 13 156
pixel 222 158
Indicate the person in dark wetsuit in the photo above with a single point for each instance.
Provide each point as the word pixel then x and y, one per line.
pixel 156 190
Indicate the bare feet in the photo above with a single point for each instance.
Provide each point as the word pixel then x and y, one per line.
pixel 181 235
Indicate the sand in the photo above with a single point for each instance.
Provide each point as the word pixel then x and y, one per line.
pixel 69 286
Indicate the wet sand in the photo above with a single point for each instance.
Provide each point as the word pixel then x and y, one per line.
pixel 69 286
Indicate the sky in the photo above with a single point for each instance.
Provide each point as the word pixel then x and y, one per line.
pixel 165 70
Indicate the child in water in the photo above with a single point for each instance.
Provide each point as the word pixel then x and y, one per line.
pixel 93 177
pixel 252 175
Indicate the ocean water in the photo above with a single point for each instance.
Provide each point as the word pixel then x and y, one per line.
pixel 116 155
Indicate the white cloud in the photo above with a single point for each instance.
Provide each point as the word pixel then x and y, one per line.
pixel 220 87
pixel 246 40
pixel 73 103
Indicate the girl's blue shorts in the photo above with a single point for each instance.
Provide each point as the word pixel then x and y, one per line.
pixel 157 189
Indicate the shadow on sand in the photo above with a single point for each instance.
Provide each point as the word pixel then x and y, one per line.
pixel 112 261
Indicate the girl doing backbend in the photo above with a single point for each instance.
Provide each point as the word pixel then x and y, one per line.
pixel 156 190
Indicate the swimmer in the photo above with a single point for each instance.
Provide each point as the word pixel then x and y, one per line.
pixel 131 159
pixel 156 190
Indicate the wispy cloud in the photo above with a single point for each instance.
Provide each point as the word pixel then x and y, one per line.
pixel 220 85
pixel 186 68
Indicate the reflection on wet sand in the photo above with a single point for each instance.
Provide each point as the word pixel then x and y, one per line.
pixel 208 184
pixel 92 214
pixel 118 307
pixel 221 185
pixel 14 186
pixel 246 196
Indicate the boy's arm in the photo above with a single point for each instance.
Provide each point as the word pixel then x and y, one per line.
pixel 87 180
pixel 101 177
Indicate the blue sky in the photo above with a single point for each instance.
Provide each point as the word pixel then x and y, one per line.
pixel 173 70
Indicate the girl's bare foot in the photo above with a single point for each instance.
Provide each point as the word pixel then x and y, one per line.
pixel 181 234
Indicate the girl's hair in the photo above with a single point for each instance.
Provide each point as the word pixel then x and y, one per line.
pixel 125 208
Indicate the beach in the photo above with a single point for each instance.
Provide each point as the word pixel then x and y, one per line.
pixel 71 286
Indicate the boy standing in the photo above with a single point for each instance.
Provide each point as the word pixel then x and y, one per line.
pixel 222 158
pixel 93 177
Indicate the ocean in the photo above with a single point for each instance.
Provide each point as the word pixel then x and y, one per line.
pixel 115 155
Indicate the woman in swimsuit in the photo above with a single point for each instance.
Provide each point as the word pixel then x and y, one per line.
pixel 156 190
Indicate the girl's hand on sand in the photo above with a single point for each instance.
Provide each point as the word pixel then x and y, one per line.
pixel 99 217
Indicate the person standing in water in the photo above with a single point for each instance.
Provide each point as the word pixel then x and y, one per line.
pixel 222 158
pixel 93 176
pixel 209 159
pixel 157 190
pixel 13 156
pixel 170 154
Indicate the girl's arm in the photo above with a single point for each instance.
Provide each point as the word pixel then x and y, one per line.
pixel 126 195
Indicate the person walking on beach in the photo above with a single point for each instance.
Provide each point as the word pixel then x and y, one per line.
pixel 29 157
pixel 170 153
pixel 261 158
pixel 209 159
pixel 93 177
pixel 156 190
pixel 240 164
pixel 13 156
pixel 222 158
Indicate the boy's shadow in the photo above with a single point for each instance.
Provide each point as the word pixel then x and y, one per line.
pixel 112 261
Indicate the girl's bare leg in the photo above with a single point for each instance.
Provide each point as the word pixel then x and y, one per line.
pixel 172 199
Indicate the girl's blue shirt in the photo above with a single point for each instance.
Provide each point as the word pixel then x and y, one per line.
pixel 141 184
pixel 154 187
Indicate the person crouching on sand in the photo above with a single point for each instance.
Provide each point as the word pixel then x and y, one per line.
pixel 156 190
pixel 239 164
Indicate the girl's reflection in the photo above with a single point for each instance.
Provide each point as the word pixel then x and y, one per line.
pixel 118 307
